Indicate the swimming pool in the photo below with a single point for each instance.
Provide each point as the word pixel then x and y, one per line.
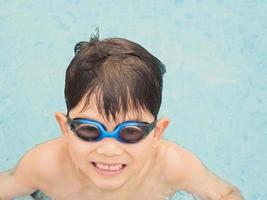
pixel 215 88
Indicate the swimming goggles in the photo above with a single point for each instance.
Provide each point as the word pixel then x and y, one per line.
pixel 126 132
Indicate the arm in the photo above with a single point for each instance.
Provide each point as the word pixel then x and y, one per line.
pixel 17 181
pixel 186 172
pixel 215 188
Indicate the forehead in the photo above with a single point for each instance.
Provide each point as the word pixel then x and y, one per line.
pixel 90 110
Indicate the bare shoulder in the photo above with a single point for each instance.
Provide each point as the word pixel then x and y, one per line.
pixel 185 171
pixel 180 165
pixel 35 162
pixel 48 151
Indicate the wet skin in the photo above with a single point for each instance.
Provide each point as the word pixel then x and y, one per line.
pixel 70 168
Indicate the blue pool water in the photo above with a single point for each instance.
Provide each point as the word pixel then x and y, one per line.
pixel 215 88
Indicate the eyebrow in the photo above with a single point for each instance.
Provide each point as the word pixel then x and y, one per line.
pixel 93 118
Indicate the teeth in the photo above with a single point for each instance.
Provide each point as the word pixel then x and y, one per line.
pixel 113 167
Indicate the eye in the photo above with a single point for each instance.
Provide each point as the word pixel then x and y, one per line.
pixel 87 131
pixel 131 133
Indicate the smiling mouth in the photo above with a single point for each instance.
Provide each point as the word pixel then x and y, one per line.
pixel 108 169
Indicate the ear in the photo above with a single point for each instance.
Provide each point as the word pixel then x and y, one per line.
pixel 62 122
pixel 161 126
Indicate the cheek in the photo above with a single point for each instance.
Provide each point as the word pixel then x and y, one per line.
pixel 143 151
pixel 78 149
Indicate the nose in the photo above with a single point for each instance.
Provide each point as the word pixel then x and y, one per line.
pixel 109 147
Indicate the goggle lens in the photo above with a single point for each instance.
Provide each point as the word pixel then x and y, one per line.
pixel 131 134
pixel 87 132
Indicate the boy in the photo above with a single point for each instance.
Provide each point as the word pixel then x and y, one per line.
pixel 111 146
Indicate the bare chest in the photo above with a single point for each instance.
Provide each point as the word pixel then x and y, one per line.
pixel 151 189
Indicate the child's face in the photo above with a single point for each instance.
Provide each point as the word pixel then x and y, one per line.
pixel 136 158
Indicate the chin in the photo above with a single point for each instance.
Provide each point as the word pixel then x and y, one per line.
pixel 110 185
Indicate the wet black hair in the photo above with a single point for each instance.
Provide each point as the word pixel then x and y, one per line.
pixel 121 74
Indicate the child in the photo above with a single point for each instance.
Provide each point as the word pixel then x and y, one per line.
pixel 112 145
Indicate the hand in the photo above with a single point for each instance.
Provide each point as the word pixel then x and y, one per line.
pixel 234 195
